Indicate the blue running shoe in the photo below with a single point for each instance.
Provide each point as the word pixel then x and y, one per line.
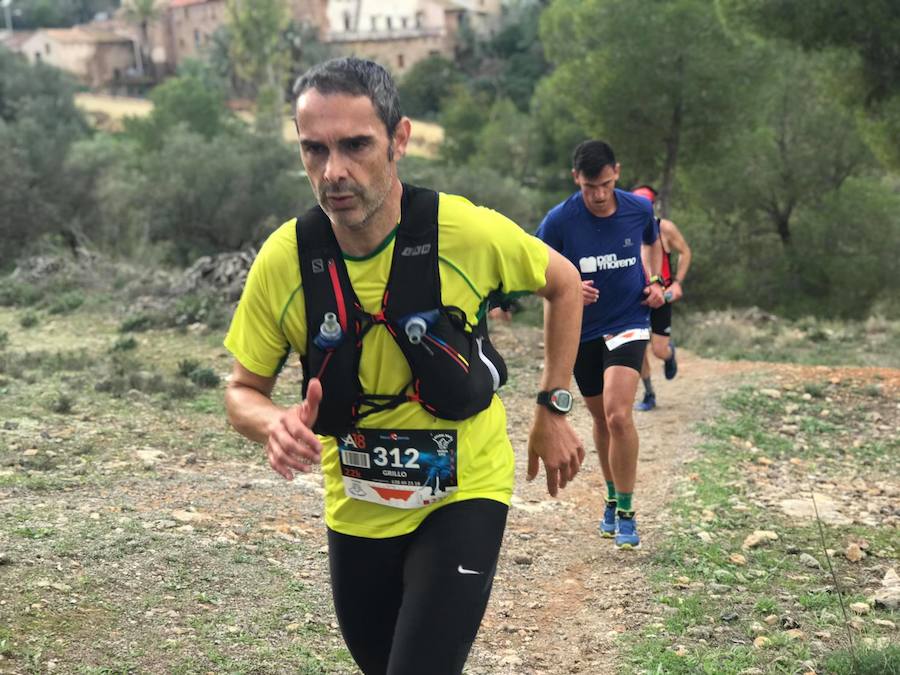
pixel 649 402
pixel 626 534
pixel 670 365
pixel 608 524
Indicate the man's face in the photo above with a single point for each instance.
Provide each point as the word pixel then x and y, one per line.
pixel 597 192
pixel 350 162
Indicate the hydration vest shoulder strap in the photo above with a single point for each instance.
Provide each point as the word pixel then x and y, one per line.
pixel 415 284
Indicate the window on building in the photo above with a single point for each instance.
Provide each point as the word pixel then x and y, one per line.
pixel 348 19
pixel 400 60
pixel 196 38
pixel 38 57
pixel 181 43
pixel 390 23
pixel 185 12
pixel 374 20
pixel 419 19
pixel 47 47
pixel 403 21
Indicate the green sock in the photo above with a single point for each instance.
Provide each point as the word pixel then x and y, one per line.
pixel 623 502
pixel 610 491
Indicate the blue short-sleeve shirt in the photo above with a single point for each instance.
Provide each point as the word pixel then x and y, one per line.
pixel 608 252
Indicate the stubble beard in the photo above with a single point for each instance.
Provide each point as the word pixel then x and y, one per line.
pixel 370 202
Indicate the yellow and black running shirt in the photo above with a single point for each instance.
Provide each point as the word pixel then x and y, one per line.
pixel 480 251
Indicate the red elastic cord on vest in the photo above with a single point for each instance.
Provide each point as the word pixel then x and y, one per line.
pixel 324 363
pixel 338 295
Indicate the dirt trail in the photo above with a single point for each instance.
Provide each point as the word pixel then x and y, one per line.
pixel 562 593
pixel 143 523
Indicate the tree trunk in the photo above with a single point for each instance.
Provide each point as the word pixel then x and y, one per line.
pixel 673 142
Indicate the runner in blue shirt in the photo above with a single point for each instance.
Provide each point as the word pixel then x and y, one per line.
pixel 612 237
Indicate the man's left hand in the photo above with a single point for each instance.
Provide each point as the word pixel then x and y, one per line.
pixel 654 296
pixel 554 441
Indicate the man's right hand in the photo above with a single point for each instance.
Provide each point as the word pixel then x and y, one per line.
pixel 292 446
pixel 554 441
pixel 589 294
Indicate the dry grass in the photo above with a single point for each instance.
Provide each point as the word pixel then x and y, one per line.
pixel 107 112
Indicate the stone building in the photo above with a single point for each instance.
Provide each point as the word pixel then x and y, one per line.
pixel 98 58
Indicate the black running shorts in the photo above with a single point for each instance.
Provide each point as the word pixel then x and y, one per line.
pixel 661 320
pixel 594 358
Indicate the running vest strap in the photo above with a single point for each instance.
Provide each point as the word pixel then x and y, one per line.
pixel 455 369
pixel 666 272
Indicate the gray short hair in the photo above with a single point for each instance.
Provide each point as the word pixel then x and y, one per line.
pixel 357 77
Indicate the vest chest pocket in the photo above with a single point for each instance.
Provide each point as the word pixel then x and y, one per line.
pixel 455 370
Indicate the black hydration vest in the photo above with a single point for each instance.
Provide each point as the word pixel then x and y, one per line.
pixel 455 371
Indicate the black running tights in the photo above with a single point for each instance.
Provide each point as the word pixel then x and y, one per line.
pixel 412 604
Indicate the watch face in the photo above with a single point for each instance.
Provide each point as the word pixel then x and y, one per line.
pixel 561 400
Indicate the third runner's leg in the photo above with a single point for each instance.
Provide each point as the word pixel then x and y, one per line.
pixel 649 400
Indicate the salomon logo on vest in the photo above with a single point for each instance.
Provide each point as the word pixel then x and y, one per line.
pixel 421 249
pixel 596 263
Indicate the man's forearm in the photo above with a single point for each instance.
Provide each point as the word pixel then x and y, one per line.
pixel 562 331
pixel 251 412
pixel 684 264
pixel 654 257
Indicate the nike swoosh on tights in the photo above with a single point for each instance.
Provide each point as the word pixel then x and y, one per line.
pixel 463 570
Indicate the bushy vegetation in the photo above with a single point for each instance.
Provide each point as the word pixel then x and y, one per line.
pixel 773 144
pixel 189 179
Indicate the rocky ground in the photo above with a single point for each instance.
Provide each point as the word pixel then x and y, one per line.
pixel 137 533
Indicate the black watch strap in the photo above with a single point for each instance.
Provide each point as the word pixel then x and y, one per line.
pixel 558 401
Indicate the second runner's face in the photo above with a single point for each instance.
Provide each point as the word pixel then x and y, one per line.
pixel 350 162
pixel 597 192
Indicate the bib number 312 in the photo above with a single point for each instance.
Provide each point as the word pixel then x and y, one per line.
pixel 401 468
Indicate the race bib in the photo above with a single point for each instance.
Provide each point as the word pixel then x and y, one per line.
pixel 402 468
pixel 619 339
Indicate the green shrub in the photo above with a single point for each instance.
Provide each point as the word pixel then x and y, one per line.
pixel 138 323
pixel 181 389
pixel 814 389
pixel 4 339
pixel 205 308
pixel 28 320
pixel 65 303
pixel 14 294
pixel 187 366
pixel 62 403
pixel 124 344
pixel 204 377
pixel 865 662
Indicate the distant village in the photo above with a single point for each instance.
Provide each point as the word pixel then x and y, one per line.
pixel 115 55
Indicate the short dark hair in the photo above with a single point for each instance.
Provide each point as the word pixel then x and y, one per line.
pixel 590 157
pixel 357 77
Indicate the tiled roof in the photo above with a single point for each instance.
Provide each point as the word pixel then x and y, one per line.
pixel 13 41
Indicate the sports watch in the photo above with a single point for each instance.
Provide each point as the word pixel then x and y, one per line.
pixel 557 400
pixel 656 279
